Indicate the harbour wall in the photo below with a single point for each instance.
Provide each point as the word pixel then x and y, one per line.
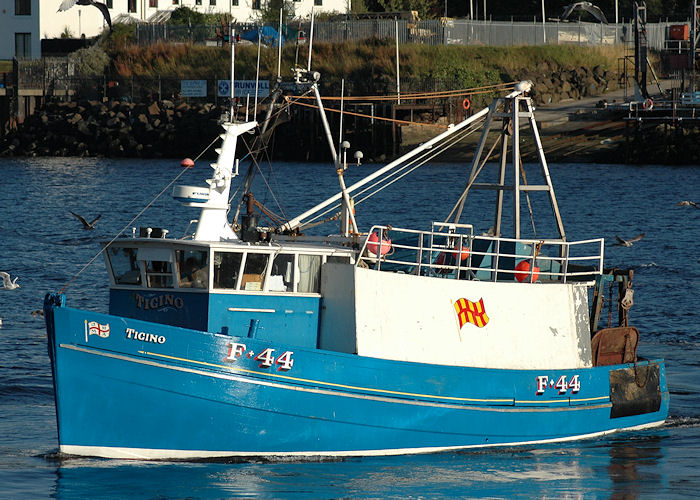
pixel 575 126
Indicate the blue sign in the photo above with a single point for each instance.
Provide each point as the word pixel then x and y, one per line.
pixel 243 88
pixel 223 89
pixel 193 88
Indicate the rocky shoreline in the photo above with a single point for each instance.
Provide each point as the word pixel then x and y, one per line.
pixel 115 129
pixel 574 127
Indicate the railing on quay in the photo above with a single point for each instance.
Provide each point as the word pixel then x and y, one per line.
pixel 430 32
pixel 451 251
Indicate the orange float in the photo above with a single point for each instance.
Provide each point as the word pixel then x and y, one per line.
pixel 523 271
pixel 376 247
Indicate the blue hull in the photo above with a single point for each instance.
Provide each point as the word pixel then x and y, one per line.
pixel 130 388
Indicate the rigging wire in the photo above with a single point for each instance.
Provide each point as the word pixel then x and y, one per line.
pixel 428 95
pixel 143 210
pixel 424 158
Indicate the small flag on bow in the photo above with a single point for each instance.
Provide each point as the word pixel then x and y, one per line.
pixel 95 328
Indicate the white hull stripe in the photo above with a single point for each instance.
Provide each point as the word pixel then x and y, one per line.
pixel 162 454
pixel 328 392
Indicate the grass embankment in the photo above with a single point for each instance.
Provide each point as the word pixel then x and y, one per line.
pixel 370 65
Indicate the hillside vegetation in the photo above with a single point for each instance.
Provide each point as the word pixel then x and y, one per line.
pixel 370 66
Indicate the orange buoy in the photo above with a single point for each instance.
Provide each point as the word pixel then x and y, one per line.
pixel 466 103
pixel 463 254
pixel 187 163
pixel 523 273
pixel 450 258
pixel 376 247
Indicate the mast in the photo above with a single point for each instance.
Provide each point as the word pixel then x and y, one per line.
pixel 510 110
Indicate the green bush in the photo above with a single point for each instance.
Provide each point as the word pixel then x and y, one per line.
pixel 91 61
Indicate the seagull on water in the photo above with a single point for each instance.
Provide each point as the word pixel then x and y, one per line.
pixel 67 4
pixel 627 243
pixel 688 204
pixel 8 284
pixel 86 224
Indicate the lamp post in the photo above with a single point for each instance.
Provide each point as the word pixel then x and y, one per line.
pixel 544 25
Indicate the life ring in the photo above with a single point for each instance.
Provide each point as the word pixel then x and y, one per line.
pixel 466 103
pixel 648 104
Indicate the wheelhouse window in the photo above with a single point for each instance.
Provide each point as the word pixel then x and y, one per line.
pixel 159 274
pixel 254 271
pixel 309 274
pixel 282 273
pixel 227 267
pixel 125 268
pixel 193 268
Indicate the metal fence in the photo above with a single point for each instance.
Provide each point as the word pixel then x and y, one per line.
pixel 433 32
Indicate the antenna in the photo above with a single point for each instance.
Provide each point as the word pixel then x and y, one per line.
pixel 230 40
pixel 311 39
pixel 342 101
pixel 279 47
pixel 257 78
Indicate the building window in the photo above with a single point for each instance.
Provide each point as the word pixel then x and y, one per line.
pixel 318 2
pixel 176 2
pixel 212 2
pixel 198 2
pixel 23 45
pixel 110 4
pixel 23 7
pixel 153 4
pixel 256 4
pixel 234 3
pixel 131 6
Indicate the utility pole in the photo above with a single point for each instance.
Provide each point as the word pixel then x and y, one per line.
pixel 544 25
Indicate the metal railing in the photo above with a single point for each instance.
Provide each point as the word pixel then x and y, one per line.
pixel 431 32
pixel 458 254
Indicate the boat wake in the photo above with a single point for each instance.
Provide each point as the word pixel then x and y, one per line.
pixel 679 421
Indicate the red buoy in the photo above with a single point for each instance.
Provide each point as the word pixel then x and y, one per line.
pixel 524 272
pixel 464 254
pixel 187 163
pixel 377 248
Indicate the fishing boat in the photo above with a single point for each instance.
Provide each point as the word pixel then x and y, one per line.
pixel 263 341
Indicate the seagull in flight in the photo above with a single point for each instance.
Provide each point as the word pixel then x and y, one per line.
pixel 67 4
pixel 688 204
pixel 627 243
pixel 8 284
pixel 86 224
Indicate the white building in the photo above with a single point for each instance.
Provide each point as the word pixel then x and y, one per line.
pixel 23 23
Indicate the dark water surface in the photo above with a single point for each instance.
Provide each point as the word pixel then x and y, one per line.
pixel 45 246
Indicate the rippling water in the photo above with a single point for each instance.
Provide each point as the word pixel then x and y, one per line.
pixel 45 246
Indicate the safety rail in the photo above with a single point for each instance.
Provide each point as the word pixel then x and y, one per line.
pixel 452 251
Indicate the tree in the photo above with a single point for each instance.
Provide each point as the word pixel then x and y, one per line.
pixel 270 12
